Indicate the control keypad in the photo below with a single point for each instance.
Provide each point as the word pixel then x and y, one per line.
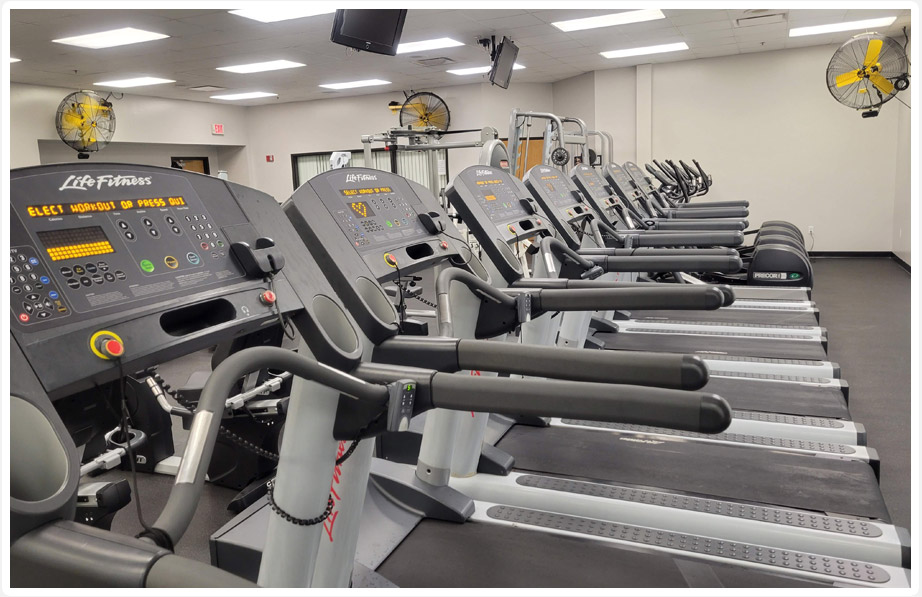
pixel 33 296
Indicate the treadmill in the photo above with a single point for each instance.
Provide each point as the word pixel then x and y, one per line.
pixel 348 233
pixel 504 207
pixel 779 236
pixel 618 211
pixel 813 402
pixel 576 222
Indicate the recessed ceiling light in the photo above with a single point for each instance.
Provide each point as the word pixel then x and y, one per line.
pixel 620 18
pixel 478 70
pixel 207 88
pixel 353 84
pixel 836 27
pixel 12 60
pixel 136 82
pixel 281 13
pixel 645 50
pixel 110 39
pixel 258 67
pixel 429 44
pixel 243 96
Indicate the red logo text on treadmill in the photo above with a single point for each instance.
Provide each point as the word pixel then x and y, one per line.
pixel 337 475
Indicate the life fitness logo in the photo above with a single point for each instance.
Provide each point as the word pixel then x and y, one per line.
pixel 82 183
pixel 334 484
pixel 360 177
pixel 484 173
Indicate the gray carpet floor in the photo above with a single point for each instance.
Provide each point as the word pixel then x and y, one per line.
pixel 864 303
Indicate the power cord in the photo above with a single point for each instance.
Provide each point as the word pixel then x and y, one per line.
pixel 460 240
pixel 287 327
pixel 159 536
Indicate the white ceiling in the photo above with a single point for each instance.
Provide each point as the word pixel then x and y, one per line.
pixel 201 40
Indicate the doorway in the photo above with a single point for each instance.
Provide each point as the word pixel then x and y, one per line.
pixel 199 165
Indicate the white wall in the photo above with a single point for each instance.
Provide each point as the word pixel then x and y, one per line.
pixel 616 108
pixel 139 120
pixel 154 154
pixel 902 200
pixel 339 123
pixel 766 127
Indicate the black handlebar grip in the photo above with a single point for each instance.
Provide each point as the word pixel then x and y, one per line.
pixel 698 412
pixel 596 299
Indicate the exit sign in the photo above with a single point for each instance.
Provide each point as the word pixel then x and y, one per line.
pixel 217 129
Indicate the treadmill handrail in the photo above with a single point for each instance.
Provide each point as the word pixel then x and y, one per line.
pixel 184 497
pixel 450 355
pixel 699 412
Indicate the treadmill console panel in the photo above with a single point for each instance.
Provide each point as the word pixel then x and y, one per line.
pixel 379 215
pixel 639 176
pixel 364 226
pixel 493 205
pixel 118 252
pixel 122 245
pixel 590 183
pixel 621 181
pixel 561 202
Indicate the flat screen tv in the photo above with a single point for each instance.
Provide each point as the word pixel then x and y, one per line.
pixel 375 31
pixel 506 54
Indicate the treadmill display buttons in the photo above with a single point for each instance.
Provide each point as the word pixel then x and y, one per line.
pixel 39 294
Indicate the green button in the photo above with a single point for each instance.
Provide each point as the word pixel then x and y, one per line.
pixel 147 266
pixel 794 276
pixel 389 225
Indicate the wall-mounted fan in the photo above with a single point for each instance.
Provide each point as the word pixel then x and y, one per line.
pixel 85 121
pixel 867 71
pixel 422 110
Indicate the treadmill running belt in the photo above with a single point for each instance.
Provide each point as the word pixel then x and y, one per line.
pixel 720 471
pixel 477 554
pixel 699 344
pixel 770 316
pixel 779 397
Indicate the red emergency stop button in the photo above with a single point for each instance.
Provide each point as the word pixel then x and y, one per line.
pixel 443 244
pixel 267 298
pixel 113 348
pixel 390 260
pixel 511 228
pixel 107 345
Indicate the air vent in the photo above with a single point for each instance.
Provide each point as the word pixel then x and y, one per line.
pixel 435 61
pixel 762 19
pixel 207 88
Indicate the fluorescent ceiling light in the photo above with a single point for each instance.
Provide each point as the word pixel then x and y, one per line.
pixel 836 27
pixel 620 18
pixel 647 50
pixel 353 84
pixel 109 39
pixel 137 82
pixel 12 60
pixel 273 12
pixel 244 96
pixel 479 70
pixel 258 67
pixel 429 44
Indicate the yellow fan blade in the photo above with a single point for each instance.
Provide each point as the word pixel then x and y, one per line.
pixel 885 86
pixel 874 46
pixel 73 119
pixel 847 78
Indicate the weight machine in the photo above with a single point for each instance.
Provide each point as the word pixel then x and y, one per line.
pixel 556 139
pixel 430 139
